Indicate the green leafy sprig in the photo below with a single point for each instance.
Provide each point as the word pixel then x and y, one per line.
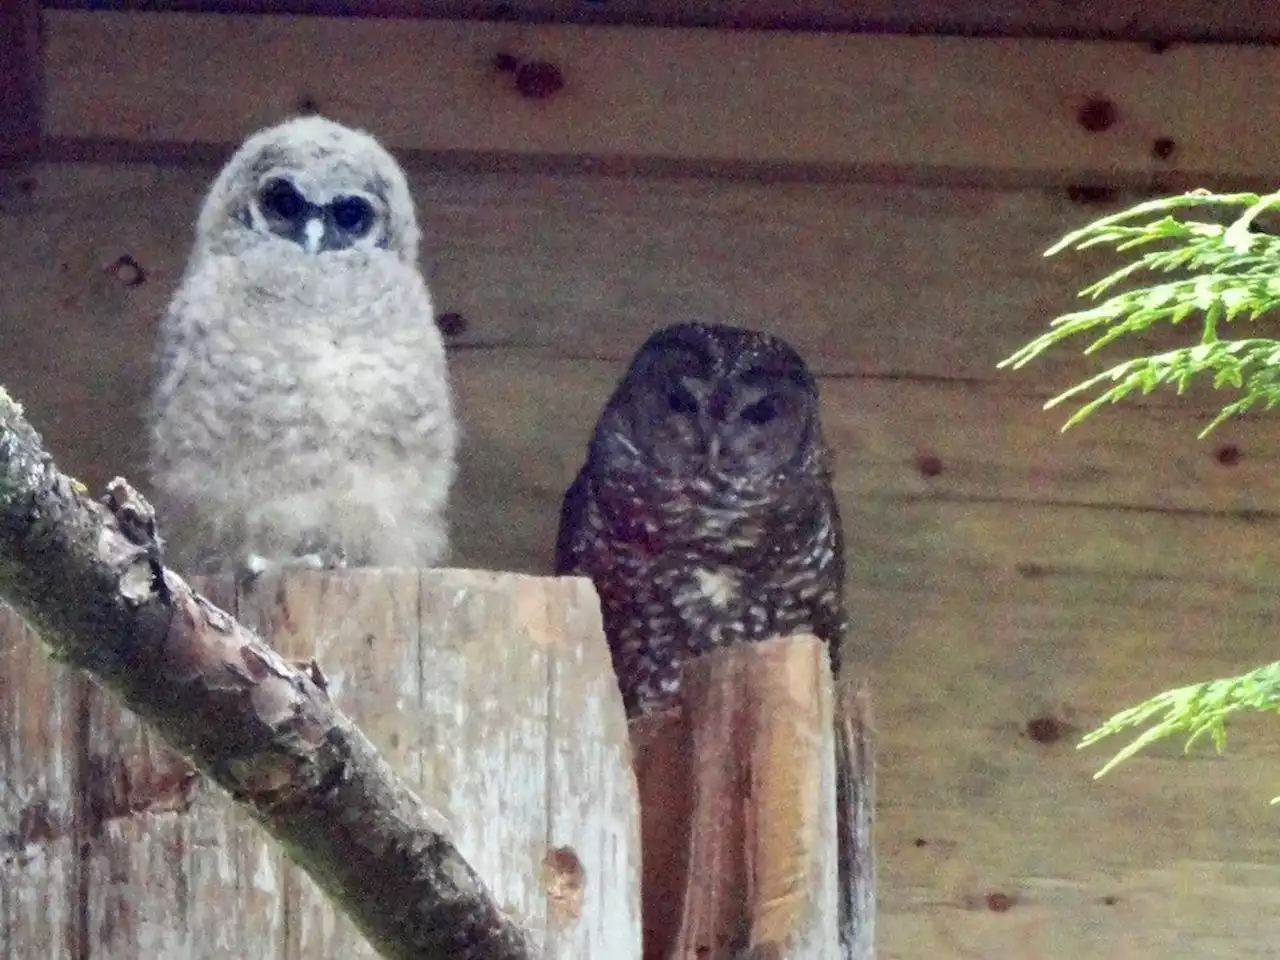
pixel 1230 272
pixel 1199 710
pixel 1220 273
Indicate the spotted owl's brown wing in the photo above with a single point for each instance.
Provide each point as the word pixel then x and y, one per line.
pixel 572 514
pixel 829 615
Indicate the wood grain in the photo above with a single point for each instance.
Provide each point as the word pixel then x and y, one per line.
pixel 593 817
pixel 702 99
pixel 737 786
pixel 169 863
pixel 662 752
pixel 480 688
pixel 39 809
pixel 792 846
pixel 855 814
pixel 1128 19
pixel 362 631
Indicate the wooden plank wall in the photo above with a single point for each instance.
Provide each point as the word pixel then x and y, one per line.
pixel 1011 586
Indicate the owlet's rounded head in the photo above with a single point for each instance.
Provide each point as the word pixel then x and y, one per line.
pixel 312 186
pixel 715 401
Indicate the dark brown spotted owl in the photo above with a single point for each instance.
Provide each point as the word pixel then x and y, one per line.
pixel 704 513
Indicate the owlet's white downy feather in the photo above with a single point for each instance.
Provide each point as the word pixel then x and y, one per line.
pixel 301 412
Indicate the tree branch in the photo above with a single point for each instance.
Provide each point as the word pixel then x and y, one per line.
pixel 89 578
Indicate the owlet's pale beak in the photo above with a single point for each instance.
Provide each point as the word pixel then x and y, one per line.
pixel 313 234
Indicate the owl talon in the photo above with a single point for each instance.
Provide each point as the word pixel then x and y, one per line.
pixel 320 560
pixel 254 566
pixel 250 569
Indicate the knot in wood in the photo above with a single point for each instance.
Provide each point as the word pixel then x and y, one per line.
pixel 565 881
pixel 538 79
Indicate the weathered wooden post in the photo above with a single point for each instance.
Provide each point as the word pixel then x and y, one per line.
pixel 741 831
pixel 492 693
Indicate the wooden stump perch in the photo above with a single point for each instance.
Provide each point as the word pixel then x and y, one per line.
pixel 88 578
pixel 740 827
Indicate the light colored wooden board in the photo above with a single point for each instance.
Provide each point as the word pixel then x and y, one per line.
pixel 864 279
pixel 1127 499
pixel 528 420
pixel 588 804
pixel 39 861
pixel 1186 910
pixel 1139 19
pixel 808 101
pixel 971 806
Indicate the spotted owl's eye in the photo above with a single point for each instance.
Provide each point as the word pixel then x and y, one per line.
pixel 761 412
pixel 352 215
pixel 281 199
pixel 681 400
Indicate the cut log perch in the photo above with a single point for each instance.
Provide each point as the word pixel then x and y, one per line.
pixel 737 789
pixel 89 579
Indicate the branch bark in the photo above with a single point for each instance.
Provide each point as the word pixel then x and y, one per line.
pixel 89 578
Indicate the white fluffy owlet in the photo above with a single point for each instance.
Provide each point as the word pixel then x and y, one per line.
pixel 301 411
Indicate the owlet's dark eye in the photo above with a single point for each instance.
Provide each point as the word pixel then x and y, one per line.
pixel 761 412
pixel 281 199
pixel 352 215
pixel 681 400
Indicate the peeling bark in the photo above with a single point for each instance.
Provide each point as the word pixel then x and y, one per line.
pixel 89 578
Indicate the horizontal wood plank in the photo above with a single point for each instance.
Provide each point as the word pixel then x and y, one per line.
pixel 1123 19
pixel 847 104
pixel 910 440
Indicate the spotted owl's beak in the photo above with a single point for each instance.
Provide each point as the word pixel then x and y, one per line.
pixel 713 449
pixel 313 234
